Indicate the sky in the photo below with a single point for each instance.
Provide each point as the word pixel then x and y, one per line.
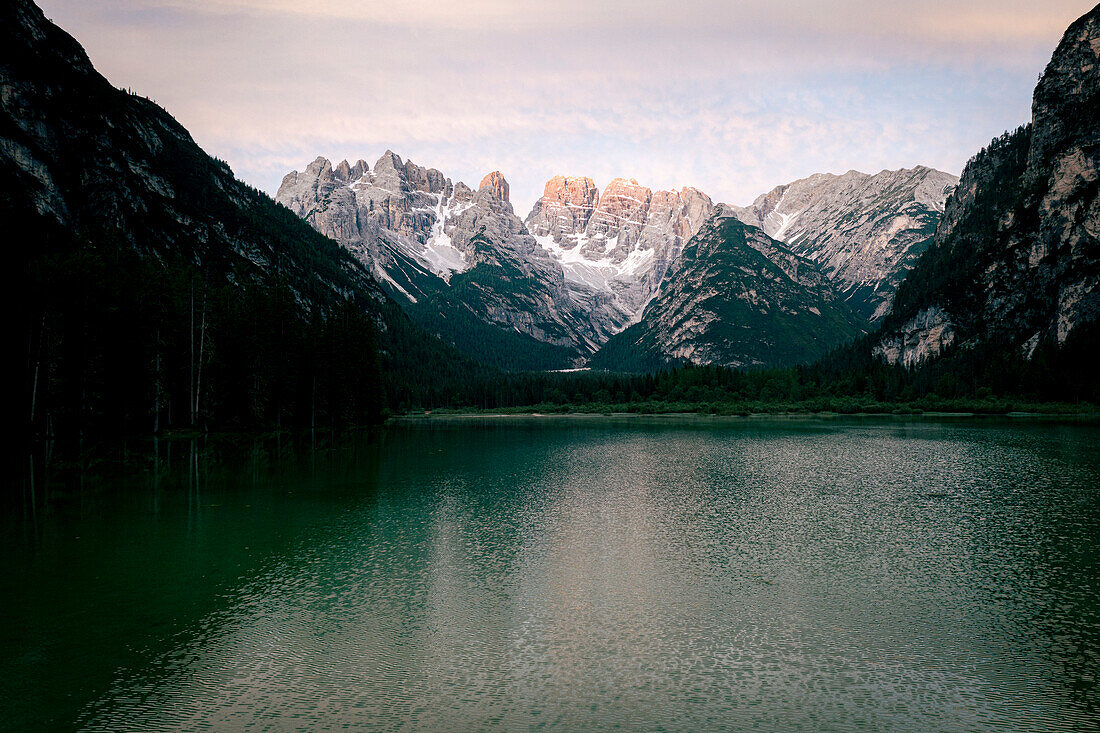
pixel 732 97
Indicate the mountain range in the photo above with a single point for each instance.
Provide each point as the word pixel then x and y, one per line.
pixel 554 290
pixel 459 260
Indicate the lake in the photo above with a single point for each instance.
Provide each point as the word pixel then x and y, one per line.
pixel 675 574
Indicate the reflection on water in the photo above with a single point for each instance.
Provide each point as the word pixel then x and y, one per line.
pixel 575 573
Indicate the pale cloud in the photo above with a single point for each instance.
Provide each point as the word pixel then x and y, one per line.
pixel 977 21
pixel 732 97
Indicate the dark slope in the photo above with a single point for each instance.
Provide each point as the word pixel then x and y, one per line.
pixel 143 262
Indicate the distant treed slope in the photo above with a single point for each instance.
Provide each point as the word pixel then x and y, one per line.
pixel 865 231
pixel 1016 258
pixel 159 290
pixel 735 297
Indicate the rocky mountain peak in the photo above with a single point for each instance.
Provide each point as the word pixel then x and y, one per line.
pixel 389 159
pixel 495 184
pixel 614 246
pixel 623 202
pixel 352 173
pixel 1068 93
pixel 565 208
pixel 319 164
pixel 426 180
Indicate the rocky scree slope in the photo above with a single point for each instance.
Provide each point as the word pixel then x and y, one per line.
pixel 865 231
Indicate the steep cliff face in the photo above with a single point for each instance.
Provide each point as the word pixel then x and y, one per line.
pixel 565 208
pixel 390 216
pixel 460 261
pixel 615 247
pixel 735 297
pixel 865 231
pixel 1015 259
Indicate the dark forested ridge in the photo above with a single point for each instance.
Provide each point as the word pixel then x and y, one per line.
pixel 1015 260
pixel 156 291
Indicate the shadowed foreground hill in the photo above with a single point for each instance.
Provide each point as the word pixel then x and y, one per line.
pixel 157 289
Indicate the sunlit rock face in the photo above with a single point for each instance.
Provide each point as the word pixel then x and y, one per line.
pixel 566 206
pixel 866 231
pixel 1016 258
pixel 424 236
pixel 923 336
pixel 496 186
pixel 615 247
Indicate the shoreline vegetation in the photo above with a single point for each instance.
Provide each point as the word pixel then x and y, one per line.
pixel 826 408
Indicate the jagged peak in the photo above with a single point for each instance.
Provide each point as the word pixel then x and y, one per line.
pixel 723 211
pixel 571 191
pixel 561 181
pixel 496 184
pixel 1065 100
pixel 628 188
pixel 389 159
pixel 319 164
pixel 557 186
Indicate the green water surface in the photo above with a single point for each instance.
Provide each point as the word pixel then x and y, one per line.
pixel 568 574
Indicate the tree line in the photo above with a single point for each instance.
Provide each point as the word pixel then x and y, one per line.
pixel 120 344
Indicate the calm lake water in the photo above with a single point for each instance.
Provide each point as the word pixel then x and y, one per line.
pixel 566 574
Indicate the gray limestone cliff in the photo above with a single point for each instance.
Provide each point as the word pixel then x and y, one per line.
pixel 866 231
